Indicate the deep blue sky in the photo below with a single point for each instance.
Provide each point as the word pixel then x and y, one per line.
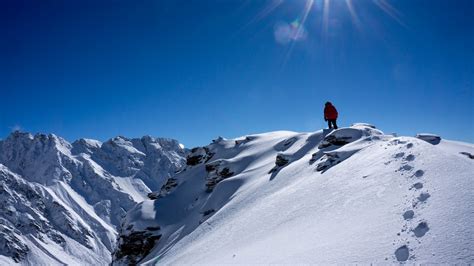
pixel 194 70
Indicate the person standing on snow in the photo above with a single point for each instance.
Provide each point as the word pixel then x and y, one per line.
pixel 330 115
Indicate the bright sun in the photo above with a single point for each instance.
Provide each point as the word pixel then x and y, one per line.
pixel 325 7
pixel 289 33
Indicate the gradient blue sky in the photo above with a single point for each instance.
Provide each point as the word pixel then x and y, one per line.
pixel 194 70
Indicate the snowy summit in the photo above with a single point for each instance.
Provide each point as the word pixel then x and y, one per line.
pixel 353 195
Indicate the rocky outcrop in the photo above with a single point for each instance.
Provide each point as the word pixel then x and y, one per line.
pixel 280 161
pixel 11 245
pixel 199 155
pixel 30 210
pixel 133 247
pixel 340 137
pixel 216 172
pixel 430 138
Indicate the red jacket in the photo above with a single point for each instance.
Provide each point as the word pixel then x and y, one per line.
pixel 330 112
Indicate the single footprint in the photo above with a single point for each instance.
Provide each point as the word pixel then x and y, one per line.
pixel 418 185
pixel 424 196
pixel 406 167
pixel 419 173
pixel 410 145
pixel 408 215
pixel 399 155
pixel 421 229
pixel 402 253
pixel 410 157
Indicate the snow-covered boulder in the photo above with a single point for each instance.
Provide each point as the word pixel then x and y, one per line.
pixel 340 137
pixel 357 125
pixel 343 136
pixel 430 138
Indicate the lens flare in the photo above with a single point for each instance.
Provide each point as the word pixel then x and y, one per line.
pixel 354 16
pixel 326 17
pixel 290 33
pixel 383 5
pixel 389 10
pixel 286 33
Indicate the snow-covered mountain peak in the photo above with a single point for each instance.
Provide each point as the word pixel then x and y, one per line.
pixel 38 158
pixel 66 201
pixel 20 141
pixel 87 146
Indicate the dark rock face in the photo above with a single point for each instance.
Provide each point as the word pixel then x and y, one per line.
pixel 194 160
pixel 199 155
pixel 214 178
pixel 430 138
pixel 281 160
pixel 170 184
pixel 333 140
pixel 343 136
pixel 166 189
pixel 216 172
pixel 153 195
pixel 328 161
pixel 135 246
pixel 11 246
pixel 210 167
pixel 225 173
pixel 243 141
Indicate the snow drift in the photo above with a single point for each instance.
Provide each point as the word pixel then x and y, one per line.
pixel 352 195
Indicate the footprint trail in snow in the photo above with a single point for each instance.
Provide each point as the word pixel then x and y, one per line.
pixel 413 225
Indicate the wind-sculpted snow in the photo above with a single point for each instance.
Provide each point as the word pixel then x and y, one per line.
pixel 353 195
pixel 63 203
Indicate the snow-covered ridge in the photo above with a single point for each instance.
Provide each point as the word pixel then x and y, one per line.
pixel 354 195
pixel 62 203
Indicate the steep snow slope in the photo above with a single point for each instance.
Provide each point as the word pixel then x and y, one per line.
pixel 62 203
pixel 353 195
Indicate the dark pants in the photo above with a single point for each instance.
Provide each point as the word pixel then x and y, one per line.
pixel 332 123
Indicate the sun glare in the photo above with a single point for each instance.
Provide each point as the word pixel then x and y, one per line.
pixel 288 33
pixel 324 6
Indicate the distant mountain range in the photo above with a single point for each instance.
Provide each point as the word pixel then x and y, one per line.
pixel 63 203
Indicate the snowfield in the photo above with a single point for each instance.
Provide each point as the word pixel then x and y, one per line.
pixel 353 195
